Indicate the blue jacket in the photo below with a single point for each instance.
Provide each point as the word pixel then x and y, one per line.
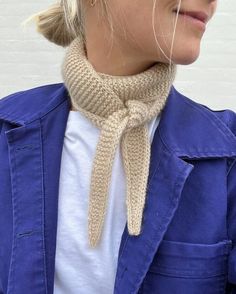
pixel 188 240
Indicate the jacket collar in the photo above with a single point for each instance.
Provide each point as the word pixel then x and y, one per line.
pixel 187 128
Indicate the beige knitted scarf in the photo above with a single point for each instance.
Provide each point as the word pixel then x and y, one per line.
pixel 121 106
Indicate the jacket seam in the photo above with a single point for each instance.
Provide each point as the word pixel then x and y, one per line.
pixel 43 208
pixel 231 166
pixel 227 216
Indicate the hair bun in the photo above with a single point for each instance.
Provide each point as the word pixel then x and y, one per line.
pixel 52 24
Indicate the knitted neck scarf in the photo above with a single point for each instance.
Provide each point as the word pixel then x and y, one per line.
pixel 120 106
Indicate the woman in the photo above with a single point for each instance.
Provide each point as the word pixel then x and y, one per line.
pixel 113 181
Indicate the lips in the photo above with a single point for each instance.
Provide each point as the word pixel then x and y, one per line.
pixel 200 15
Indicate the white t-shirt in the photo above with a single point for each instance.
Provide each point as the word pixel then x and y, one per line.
pixel 80 269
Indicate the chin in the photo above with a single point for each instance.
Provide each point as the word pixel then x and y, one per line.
pixel 186 56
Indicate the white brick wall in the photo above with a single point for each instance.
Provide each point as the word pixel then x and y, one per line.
pixel 28 60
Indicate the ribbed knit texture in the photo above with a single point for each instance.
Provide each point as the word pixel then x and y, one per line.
pixel 120 106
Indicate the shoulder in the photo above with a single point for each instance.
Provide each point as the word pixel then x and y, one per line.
pixel 37 92
pixel 226 116
pixel 23 105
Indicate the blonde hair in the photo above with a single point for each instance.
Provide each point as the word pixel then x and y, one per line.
pixel 64 20
pixel 61 22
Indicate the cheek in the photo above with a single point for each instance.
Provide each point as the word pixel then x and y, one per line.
pixel 214 7
pixel 214 4
pixel 135 25
pixel 138 21
pixel 187 40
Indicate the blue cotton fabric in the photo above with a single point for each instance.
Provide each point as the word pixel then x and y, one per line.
pixel 187 242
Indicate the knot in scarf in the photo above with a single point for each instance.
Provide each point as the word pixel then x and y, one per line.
pixel 133 114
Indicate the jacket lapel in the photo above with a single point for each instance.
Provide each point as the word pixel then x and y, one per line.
pixel 27 269
pixel 53 129
pixel 168 174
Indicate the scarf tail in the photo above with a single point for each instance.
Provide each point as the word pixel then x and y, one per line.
pixel 136 161
pixel 101 174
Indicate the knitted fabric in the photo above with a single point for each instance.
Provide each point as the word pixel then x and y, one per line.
pixel 121 106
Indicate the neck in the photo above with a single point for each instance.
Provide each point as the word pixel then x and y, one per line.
pixel 85 83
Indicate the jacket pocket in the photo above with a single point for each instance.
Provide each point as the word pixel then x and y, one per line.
pixel 188 268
